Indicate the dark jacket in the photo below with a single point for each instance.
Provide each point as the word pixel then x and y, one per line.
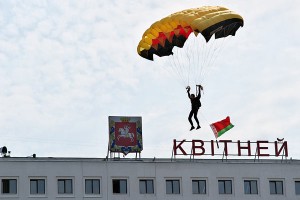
pixel 196 104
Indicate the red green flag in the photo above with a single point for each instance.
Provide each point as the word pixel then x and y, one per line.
pixel 220 127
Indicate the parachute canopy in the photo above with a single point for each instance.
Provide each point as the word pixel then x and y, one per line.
pixel 175 29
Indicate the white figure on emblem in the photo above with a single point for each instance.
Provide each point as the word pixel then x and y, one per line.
pixel 124 133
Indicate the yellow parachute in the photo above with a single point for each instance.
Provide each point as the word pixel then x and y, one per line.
pixel 197 52
pixel 175 29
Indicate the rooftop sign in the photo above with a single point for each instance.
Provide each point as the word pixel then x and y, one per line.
pixel 261 148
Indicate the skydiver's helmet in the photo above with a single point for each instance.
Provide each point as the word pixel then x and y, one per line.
pixel 192 96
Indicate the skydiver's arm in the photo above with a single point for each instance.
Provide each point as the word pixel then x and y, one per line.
pixel 189 95
pixel 199 91
pixel 188 91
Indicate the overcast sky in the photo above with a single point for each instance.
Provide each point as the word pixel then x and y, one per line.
pixel 65 66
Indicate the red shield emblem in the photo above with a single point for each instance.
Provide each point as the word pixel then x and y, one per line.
pixel 125 133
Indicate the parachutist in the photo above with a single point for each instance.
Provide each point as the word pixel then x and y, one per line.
pixel 196 104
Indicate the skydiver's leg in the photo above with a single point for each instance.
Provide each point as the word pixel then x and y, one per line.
pixel 196 118
pixel 190 120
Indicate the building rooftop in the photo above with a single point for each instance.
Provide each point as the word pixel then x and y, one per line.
pixel 150 160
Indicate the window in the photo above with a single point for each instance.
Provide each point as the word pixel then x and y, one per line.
pixel 297 187
pixel 250 187
pixel 92 186
pixel 225 186
pixel 119 186
pixel 172 186
pixel 9 186
pixel 199 186
pixel 146 186
pixel 276 187
pixel 65 186
pixel 37 186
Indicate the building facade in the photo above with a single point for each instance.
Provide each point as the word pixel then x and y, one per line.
pixel 115 179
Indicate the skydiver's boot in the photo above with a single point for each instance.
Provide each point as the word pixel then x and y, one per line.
pixel 192 128
pixel 198 127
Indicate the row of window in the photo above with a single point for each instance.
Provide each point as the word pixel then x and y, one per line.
pixel 225 187
pixel 38 186
pixel 146 186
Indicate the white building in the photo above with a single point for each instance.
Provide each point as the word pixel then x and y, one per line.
pixel 95 178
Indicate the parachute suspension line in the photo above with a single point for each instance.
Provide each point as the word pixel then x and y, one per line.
pixel 205 57
pixel 189 70
pixel 169 68
pixel 190 58
pixel 203 53
pixel 195 52
pixel 194 61
pixel 220 47
pixel 212 54
pixel 198 51
pixel 188 55
pixel 177 68
pixel 172 66
pixel 181 66
pixel 197 59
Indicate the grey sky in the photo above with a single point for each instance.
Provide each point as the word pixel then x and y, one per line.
pixel 65 66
